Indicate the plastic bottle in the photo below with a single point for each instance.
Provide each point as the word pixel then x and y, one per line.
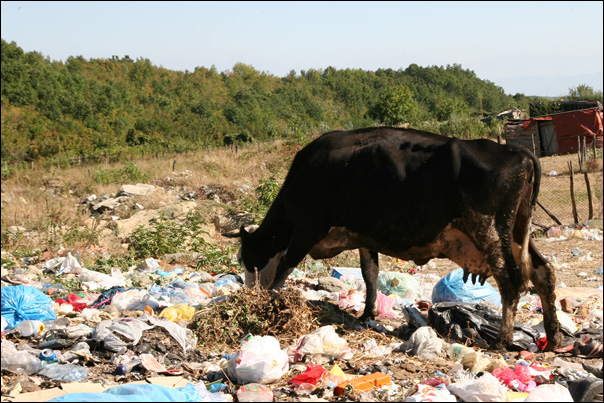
pixel 29 328
pixel 458 351
pixel 22 361
pixel 64 372
pixel 128 367
pixel 60 323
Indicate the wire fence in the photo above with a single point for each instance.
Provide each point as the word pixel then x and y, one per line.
pixel 556 206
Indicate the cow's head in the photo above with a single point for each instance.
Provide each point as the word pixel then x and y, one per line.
pixel 256 256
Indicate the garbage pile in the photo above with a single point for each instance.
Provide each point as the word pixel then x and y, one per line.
pixel 188 335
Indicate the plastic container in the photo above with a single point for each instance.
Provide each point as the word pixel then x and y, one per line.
pixel 254 392
pixel 30 328
pixel 64 372
pixel 23 362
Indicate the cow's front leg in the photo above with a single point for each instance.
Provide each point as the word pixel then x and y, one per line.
pixel 370 269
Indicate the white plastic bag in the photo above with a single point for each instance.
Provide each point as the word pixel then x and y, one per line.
pixel 260 360
pixel 550 393
pixel 487 388
pixel 94 280
pixel 424 343
pixel 427 393
pixel 324 340
pixel 134 300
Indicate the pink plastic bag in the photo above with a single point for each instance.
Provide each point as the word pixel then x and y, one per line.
pixel 385 305
pixel 519 378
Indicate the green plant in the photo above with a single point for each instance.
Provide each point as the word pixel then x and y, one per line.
pixel 128 173
pixel 82 235
pixel 7 263
pixel 216 259
pixel 166 237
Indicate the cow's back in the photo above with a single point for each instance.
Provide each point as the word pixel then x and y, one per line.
pixel 398 186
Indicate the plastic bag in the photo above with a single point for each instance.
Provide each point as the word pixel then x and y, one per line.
pixel 517 378
pixel 472 321
pixel 402 284
pixel 135 393
pixel 484 389
pixel 23 302
pixel 64 372
pixel 108 330
pixel 181 335
pixel 259 360
pixel 427 393
pixel 550 393
pixel 324 340
pixel 178 312
pixel 424 343
pixel 312 375
pixel 94 280
pixel 452 288
pixel 385 305
pixel 134 300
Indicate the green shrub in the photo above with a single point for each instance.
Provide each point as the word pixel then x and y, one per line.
pixel 129 173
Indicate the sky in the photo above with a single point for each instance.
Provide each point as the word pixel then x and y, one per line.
pixel 534 48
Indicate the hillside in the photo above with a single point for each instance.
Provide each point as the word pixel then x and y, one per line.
pixel 98 109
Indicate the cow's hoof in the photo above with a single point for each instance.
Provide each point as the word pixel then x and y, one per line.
pixel 500 347
pixel 554 342
pixel 365 317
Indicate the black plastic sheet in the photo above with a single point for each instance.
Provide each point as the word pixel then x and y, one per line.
pixel 476 322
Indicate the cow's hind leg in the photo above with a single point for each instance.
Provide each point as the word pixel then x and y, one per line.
pixel 370 269
pixel 544 280
pixel 509 287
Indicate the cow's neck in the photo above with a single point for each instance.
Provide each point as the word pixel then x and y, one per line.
pixel 276 229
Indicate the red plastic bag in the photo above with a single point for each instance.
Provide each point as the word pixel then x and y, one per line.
pixel 312 375
pixel 73 299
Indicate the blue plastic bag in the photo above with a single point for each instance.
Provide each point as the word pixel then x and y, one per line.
pixel 22 302
pixel 451 288
pixel 135 393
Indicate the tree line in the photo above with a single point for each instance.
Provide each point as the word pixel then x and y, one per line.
pixel 106 106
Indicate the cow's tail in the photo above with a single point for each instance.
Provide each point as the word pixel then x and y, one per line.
pixel 536 176
pixel 524 218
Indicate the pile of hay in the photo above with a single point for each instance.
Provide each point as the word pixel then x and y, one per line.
pixel 285 314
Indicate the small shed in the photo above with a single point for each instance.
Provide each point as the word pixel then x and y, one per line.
pixel 556 133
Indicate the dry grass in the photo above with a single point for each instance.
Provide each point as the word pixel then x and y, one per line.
pixel 46 200
pixel 256 311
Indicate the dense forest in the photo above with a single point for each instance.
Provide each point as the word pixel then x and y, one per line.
pixel 87 109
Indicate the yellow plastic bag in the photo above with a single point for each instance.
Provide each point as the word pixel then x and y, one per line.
pixel 178 312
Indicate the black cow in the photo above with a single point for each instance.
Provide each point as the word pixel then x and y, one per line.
pixel 415 196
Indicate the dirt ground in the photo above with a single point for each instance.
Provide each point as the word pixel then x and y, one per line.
pixel 576 261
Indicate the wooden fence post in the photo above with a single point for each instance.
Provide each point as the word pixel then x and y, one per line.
pixel 591 206
pixel 572 192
